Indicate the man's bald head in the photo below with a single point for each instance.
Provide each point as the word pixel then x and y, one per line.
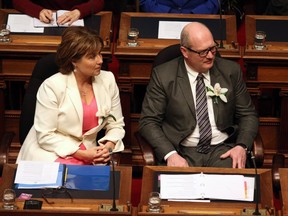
pixel 194 33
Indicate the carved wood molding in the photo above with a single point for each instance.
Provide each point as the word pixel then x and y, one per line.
pixel 283 93
pixel 2 84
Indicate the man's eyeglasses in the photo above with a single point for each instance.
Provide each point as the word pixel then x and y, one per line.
pixel 205 52
pixel 54 192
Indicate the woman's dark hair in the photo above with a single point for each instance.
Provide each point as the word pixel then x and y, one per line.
pixel 77 42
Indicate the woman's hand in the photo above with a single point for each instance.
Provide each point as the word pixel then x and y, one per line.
pixel 97 155
pixel 46 16
pixel 109 145
pixel 103 156
pixel 69 17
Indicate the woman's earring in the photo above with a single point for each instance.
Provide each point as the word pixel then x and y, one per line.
pixel 75 70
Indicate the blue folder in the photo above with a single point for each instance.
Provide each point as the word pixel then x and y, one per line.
pixel 87 177
pixel 79 177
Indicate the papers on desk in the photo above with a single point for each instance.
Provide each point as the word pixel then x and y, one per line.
pixel 206 186
pixel 39 174
pixel 37 23
pixel 34 174
pixel 21 23
pixel 170 29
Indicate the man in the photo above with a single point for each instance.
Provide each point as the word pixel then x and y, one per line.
pixel 170 112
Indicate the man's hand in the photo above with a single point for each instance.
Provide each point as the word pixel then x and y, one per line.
pixel 176 160
pixel 238 155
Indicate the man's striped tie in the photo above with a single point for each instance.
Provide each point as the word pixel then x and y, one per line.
pixel 202 116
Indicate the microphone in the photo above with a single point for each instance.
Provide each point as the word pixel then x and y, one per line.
pixel 221 25
pixel 114 208
pixel 256 212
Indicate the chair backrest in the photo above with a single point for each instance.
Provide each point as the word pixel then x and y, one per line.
pixel 44 68
pixel 167 54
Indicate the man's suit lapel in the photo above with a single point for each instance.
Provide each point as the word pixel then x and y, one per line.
pixel 215 78
pixel 185 87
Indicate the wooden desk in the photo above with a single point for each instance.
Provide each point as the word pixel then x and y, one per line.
pixel 267 76
pixel 283 172
pixel 150 175
pixel 136 62
pixel 79 206
pixel 17 60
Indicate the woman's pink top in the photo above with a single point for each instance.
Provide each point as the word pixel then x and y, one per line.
pixel 90 120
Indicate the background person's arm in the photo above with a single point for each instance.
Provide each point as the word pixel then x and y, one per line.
pixel 209 7
pixel 89 7
pixel 27 7
pixel 153 6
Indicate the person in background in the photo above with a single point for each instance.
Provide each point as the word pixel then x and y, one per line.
pixel 42 9
pixel 260 6
pixel 169 119
pixel 277 8
pixel 74 105
pixel 180 6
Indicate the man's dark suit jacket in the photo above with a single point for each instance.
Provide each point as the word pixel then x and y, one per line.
pixel 168 110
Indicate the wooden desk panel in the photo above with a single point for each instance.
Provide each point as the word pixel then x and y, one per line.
pixel 150 20
pixel 283 172
pixel 150 45
pixel 267 71
pixel 79 206
pixel 274 27
pixel 150 174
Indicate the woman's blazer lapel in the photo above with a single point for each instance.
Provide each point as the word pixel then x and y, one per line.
pixel 74 95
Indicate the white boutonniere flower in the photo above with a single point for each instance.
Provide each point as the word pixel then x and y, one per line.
pixel 217 92
pixel 104 114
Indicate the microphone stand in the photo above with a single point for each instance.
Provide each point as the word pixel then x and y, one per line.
pixel 114 208
pixel 256 212
pixel 220 26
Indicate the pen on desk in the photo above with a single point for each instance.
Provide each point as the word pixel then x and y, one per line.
pixel 65 176
pixel 56 21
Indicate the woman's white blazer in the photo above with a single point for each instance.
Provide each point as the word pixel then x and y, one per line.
pixel 57 129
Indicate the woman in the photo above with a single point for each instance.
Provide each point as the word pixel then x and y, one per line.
pixel 42 9
pixel 74 105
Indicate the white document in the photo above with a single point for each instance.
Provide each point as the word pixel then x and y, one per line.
pixel 36 172
pixel 21 23
pixel 206 186
pixel 38 23
pixel 170 29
